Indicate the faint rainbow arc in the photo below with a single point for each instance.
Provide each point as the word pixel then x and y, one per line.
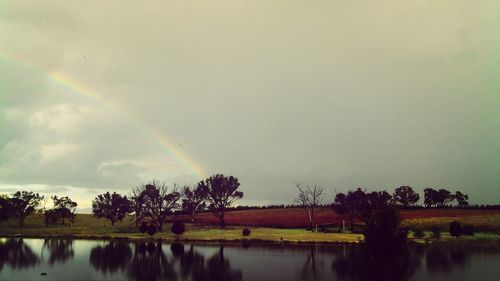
pixel 154 134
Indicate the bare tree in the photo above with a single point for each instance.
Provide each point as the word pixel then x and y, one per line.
pixel 309 198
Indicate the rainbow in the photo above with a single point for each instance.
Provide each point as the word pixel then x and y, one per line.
pixel 146 130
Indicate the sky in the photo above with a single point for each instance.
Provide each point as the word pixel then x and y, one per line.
pixel 102 96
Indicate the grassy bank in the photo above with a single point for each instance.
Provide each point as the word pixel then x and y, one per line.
pixel 89 227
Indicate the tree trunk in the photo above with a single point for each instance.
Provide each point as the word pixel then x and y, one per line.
pixel 221 218
pixel 21 222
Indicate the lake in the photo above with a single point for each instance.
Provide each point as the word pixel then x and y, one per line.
pixel 63 259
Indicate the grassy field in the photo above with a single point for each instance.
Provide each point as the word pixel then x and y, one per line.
pixel 87 226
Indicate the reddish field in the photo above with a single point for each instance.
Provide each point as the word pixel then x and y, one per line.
pixel 296 217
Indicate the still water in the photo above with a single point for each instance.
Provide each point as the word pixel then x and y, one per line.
pixel 60 259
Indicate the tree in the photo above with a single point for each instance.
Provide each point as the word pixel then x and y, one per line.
pixel 309 198
pixel 462 199
pixel 443 197
pixel 24 203
pixel 194 199
pixel 113 207
pixel 221 193
pixel 383 232
pixel 405 196
pixel 350 205
pixel 157 203
pixel 6 210
pixel 178 228
pixel 430 197
pixel 64 208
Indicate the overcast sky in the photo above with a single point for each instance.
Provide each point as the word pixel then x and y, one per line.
pixel 343 94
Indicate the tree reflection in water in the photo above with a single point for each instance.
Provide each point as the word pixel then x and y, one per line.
pixel 16 254
pixel 115 255
pixel 193 265
pixel 445 259
pixel 362 263
pixel 149 263
pixel 309 269
pixel 61 250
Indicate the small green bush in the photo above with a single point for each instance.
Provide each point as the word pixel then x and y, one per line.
pixel 178 228
pixel 152 229
pixel 455 229
pixel 246 232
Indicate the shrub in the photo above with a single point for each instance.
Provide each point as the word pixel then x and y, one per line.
pixel 468 230
pixel 246 232
pixel 152 229
pixel 178 228
pixel 418 233
pixel 455 229
pixel 436 232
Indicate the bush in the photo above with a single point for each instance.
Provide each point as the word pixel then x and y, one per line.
pixel 246 232
pixel 178 228
pixel 468 230
pixel 436 232
pixel 152 229
pixel 455 229
pixel 418 233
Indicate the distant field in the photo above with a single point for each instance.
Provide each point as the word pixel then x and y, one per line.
pixel 483 220
pixel 296 217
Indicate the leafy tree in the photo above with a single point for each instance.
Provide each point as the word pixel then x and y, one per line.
pixel 24 203
pixel 350 204
pixel 64 208
pixel 430 197
pixel 309 198
pixel 383 231
pixel 194 199
pixel 6 209
pixel 157 203
pixel 113 207
pixel 221 193
pixel 455 229
pixel 405 196
pixel 462 199
pixel 438 198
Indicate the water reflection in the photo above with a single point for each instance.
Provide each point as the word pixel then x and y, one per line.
pixel 446 259
pixel 61 250
pixel 150 263
pixel 113 256
pixel 16 254
pixel 358 263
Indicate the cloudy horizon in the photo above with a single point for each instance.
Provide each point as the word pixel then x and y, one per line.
pixel 102 96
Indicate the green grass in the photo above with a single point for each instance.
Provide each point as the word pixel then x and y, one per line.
pixel 87 226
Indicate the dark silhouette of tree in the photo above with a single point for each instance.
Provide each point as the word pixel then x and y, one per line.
pixel 192 265
pixel 373 201
pixel 61 250
pixel 157 203
pixel 455 229
pixel 16 254
pixel 439 198
pixel 24 203
pixel 309 198
pixel 218 268
pixel 462 199
pixel 405 196
pixel 222 192
pixel 6 209
pixel 113 256
pixel 149 263
pixel 362 264
pixel 383 232
pixel 136 202
pixel 113 207
pixel 194 199
pixel 64 208
pixel 350 205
